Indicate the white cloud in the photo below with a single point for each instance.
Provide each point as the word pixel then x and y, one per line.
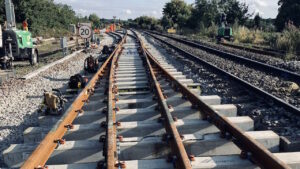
pixel 134 8
pixel 154 12
pixel 81 11
pixel 266 8
pixel 261 3
pixel 128 11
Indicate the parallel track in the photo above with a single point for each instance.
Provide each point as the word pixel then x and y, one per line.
pixel 285 74
pixel 263 51
pixel 247 85
pixel 136 112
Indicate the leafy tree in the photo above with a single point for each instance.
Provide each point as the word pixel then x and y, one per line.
pixel 146 22
pixel 44 16
pixel 204 13
pixel 166 22
pixel 176 12
pixel 235 11
pixel 95 20
pixel 257 20
pixel 288 11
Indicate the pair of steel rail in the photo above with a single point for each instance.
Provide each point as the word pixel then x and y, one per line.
pixel 257 91
pixel 44 150
pixel 250 148
pixel 285 74
pixel 263 157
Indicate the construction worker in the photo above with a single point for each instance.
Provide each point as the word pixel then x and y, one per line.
pixel 25 25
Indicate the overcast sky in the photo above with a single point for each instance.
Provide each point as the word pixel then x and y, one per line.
pixel 126 9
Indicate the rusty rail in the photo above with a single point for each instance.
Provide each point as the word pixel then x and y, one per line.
pixel 250 147
pixel 175 141
pixel 44 150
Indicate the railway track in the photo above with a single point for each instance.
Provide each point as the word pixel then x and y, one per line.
pixel 283 73
pixel 256 49
pixel 139 112
pixel 257 90
pixel 21 98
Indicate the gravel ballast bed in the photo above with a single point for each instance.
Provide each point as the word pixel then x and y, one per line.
pixel 272 84
pixel 265 115
pixel 293 66
pixel 20 99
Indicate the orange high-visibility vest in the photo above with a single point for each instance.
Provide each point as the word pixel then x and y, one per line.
pixel 25 26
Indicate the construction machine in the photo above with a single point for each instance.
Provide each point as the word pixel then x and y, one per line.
pixel 224 31
pixel 16 44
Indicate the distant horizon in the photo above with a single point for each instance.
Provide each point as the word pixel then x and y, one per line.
pixel 132 9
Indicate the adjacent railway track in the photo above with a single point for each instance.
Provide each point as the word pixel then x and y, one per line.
pixel 258 91
pixel 285 74
pixel 263 51
pixel 139 112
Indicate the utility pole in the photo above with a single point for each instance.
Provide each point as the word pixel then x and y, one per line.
pixel 114 23
pixel 10 15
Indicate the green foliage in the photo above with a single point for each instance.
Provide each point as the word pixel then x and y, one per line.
pixel 257 20
pixel 166 22
pixel 176 13
pixel 289 40
pixel 146 22
pixel 211 31
pixel 204 13
pixel 95 20
pixel 244 35
pixel 234 10
pixel 207 12
pixel 158 27
pixel 46 18
pixel 266 25
pixel 288 11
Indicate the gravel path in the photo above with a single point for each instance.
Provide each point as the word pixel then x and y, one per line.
pixel 293 66
pixel 286 90
pixel 20 100
pixel 265 116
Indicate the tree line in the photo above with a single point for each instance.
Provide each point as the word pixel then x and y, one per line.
pixel 46 18
pixel 205 13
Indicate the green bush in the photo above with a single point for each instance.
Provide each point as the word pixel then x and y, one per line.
pixel 158 28
pixel 212 31
pixel 244 35
pixel 289 40
pixel 270 38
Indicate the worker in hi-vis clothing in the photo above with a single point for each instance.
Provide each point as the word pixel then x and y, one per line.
pixel 25 25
